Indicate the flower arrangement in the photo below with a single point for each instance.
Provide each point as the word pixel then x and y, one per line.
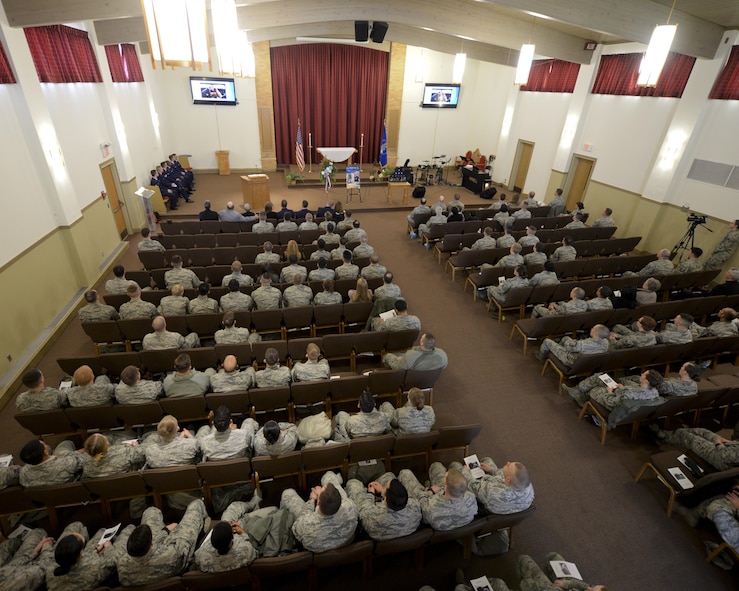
pixel 328 173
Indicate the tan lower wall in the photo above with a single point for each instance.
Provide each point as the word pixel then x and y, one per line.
pixel 44 284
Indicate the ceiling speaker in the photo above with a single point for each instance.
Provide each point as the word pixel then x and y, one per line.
pixel 378 31
pixel 361 31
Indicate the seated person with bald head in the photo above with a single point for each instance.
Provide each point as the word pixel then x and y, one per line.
pixel 230 378
pixel 175 304
pixel 161 338
pixel 236 273
pixel 501 490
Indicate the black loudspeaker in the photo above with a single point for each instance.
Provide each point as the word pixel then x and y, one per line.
pixel 361 31
pixel 419 192
pixel 488 193
pixel 378 31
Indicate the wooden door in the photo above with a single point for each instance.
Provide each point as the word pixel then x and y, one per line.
pixel 581 170
pixel 521 164
pixel 109 171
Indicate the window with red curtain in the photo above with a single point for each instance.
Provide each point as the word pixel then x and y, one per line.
pixel 617 74
pixel 62 54
pixel 124 63
pixel 552 76
pixel 727 84
pixel 6 72
pixel 337 92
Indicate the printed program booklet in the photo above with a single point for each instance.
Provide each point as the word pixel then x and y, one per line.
pixel 481 584
pixel 565 569
pixel 608 380
pixel 474 465
pixel 108 534
pixel 682 480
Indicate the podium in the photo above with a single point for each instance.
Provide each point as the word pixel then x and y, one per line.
pixel 255 188
pixel 224 166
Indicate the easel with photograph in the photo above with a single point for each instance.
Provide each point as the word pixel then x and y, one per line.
pixel 353 183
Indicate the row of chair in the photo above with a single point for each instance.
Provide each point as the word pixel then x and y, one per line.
pixel 194 227
pixel 234 240
pixel 483 215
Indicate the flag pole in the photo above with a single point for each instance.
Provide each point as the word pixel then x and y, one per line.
pixel 310 152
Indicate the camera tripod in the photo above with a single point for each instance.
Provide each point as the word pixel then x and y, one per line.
pixel 687 242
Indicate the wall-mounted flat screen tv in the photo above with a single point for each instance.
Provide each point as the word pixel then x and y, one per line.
pixel 213 91
pixel 440 96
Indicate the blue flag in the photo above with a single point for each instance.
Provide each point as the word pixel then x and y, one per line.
pixel 383 145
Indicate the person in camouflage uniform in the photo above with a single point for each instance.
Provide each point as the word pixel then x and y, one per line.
pixel 202 303
pixel 413 417
pixel 288 273
pixel 232 334
pixel 9 476
pixel 718 451
pixel 347 270
pixel 275 438
pixel 266 297
pixel 691 264
pixel 136 307
pixel 686 384
pixel 95 311
pixel 447 504
pixel 149 245
pixel 374 270
pixel 574 305
pixel 39 396
pixel 677 333
pixel 394 517
pixel 230 379
pixel 236 274
pixel 287 224
pixel 725 249
pixel 337 254
pixel 427 356
pixel 308 224
pixel 485 241
pixel 642 387
pixel 322 272
pixel 186 381
pixel 501 490
pixel 20 569
pixel 519 279
pixel 169 448
pixel 436 219
pixel 328 295
pixel 356 233
pixel 662 266
pixel 606 220
pixel 534 578
pixel 228 547
pixel 367 422
pixel 161 338
pixel 505 240
pixel 273 375
pixel 78 563
pixel 313 368
pixel 546 277
pixel 330 237
pixel 723 327
pixel 175 304
pixel 320 251
pixel 298 294
pixel 119 284
pixel 363 250
pixel 103 459
pixel 267 257
pixel 568 350
pixel 327 520
pixel 346 224
pixel 388 289
pixel 262 225
pixel 401 321
pixel 133 390
pixel 88 390
pixel 185 277
pixel 641 335
pixel 723 510
pixel 42 467
pixel 155 552
pixel 235 300
pixel 564 253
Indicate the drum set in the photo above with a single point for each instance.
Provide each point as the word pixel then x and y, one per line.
pixel 432 172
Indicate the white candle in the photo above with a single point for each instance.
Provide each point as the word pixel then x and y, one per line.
pixel 362 139
pixel 310 139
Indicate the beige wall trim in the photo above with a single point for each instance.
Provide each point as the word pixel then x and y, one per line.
pixel 394 100
pixel 265 105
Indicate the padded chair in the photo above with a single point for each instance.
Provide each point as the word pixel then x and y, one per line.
pixel 339 347
pixel 267 321
pixel 351 554
pixel 296 348
pixel 259 351
pixel 196 580
pixel 115 363
pixel 13 501
pixel 387 383
pixel 205 325
pixel 135 329
pixel 163 481
pixel 327 316
pixel 348 387
pixel 355 314
pixel 401 340
pixel 464 533
pixel 70 364
pixel 279 566
pixel 158 360
pixel 414 542
pixel 102 417
pixel 45 422
pixel 270 400
pixel 152 259
pixel 537 328
pixel 132 415
pixel 371 448
pixel 189 408
pixel 416 444
pixel 105 332
pixel 458 437
pixel 203 358
pixel 56 496
pixel 310 394
pixel 498 522
pixel 223 473
pixel 236 401
pixel 423 379
pixel 298 319
pixel 634 419
pixel 321 459
pixel 515 299
pixel 118 487
pixel 368 344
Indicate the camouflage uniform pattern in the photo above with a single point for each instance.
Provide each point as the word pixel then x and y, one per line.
pixel 575 225
pixel 361 424
pixel 629 339
pixel 179 451
pixel 203 305
pixel 502 217
pixel 185 277
pixel 141 393
pixel 604 222
pixel 236 301
pixel 173 305
pixel 298 295
pixel 543 277
pixel 194 383
pixel 267 257
pixel 439 512
pixel 170 340
pixel 416 358
pixel 677 387
pixel 308 226
pixel 323 298
pixel 373 271
pixel 337 253
pixel 230 444
pixel 378 520
pixel 9 476
pixel 18 570
pixel 100 392
pixel 724 516
pixel 561 309
pixel 355 235
pixel 138 309
pixel 321 274
pixel 149 245
pixel 242 553
pixel 347 271
pixel 499 292
pixel 673 336
pixel 536 258
pixel 97 312
pixel 599 304
pixel 317 254
pixel 569 349
pixel 262 227
pixel 319 533
pixel 658 267
pixel 689 265
pixel 267 298
pixel 432 221
pixel 397 323
pixel 240 277
pixel 45 399
pixel 119 460
pixel 484 243
pixel 505 241
pixel 534 578
pixel 702 442
pixel 716 329
pixel 363 251
pixel 93 568
pixel 408 419
pixel 309 371
pixel 118 285
pixel 493 493
pixel 286 442
pixel 64 466
pixel 418 210
pixel 231 382
pixel 232 335
pixel 171 551
pixel 287 226
pixel 723 251
pixel 388 290
pixel 273 377
pixel 564 253
pixel 596 390
pixel 330 239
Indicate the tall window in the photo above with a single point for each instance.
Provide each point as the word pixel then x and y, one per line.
pixel 552 76
pixel 617 74
pixel 727 84
pixel 124 63
pixel 62 54
pixel 6 72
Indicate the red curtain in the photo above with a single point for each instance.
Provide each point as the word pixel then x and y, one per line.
pixel 124 63
pixel 617 74
pixel 727 84
pixel 6 72
pixel 337 92
pixel 552 76
pixel 62 54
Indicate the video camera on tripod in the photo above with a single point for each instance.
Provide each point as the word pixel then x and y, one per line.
pixel 696 219
pixel 687 242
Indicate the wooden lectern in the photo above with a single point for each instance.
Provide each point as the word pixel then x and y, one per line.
pixel 255 188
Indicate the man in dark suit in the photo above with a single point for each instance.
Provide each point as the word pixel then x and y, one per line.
pixel 207 214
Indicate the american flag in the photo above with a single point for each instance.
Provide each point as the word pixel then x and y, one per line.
pixel 299 155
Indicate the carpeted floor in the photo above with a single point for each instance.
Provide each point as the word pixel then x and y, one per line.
pixel 589 507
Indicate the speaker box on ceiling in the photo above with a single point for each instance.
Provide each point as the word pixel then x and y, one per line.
pixel 378 31
pixel 361 31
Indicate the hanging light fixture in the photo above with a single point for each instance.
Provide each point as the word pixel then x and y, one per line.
pixel 460 60
pixel 525 58
pixel 177 31
pixel 232 46
pixel 657 52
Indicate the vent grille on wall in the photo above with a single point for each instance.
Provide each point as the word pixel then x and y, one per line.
pixel 715 173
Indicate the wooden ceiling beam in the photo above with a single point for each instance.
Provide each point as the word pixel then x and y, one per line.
pixel 37 13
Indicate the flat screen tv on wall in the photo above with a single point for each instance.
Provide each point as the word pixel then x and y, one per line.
pixel 440 96
pixel 213 91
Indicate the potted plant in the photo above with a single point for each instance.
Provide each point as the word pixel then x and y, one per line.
pixel 293 178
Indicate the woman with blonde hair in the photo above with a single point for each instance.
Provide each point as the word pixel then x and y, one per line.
pixel 413 417
pixel 362 293
pixel 103 459
pixel 293 248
